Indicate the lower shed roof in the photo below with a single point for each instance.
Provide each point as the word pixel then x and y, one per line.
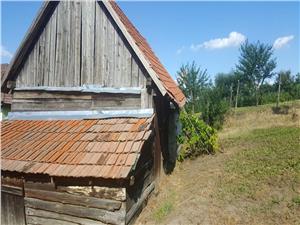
pixel 100 148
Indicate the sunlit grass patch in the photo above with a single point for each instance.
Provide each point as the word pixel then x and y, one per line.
pixel 164 208
pixel 267 158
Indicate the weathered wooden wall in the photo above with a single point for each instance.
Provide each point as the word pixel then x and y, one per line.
pixel 12 202
pixel 138 193
pixel 47 204
pixel 80 45
pixel 39 101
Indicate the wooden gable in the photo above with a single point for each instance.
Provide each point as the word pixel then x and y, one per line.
pixel 81 45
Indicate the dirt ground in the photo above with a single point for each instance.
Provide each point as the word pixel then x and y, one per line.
pixel 191 194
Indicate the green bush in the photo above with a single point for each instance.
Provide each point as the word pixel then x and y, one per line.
pixel 214 109
pixel 196 137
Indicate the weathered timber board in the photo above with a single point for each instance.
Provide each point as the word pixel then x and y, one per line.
pixel 116 217
pixel 37 101
pixel 137 206
pixel 39 216
pixel 12 190
pixel 66 198
pixel 12 209
pixel 47 221
pixel 118 194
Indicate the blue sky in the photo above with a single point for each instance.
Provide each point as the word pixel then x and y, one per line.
pixel 179 32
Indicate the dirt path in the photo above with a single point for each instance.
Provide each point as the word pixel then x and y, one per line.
pixel 190 191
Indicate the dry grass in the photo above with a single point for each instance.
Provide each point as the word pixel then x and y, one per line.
pixel 246 119
pixel 256 180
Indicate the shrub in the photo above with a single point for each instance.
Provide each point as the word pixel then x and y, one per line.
pixel 214 108
pixel 196 137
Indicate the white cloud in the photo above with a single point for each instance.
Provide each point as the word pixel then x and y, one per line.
pixel 180 50
pixel 4 52
pixel 282 41
pixel 234 39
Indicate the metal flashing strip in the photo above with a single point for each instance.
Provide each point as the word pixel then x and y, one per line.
pixel 85 88
pixel 75 115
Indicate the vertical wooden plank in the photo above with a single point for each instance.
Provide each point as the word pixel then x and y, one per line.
pixel 41 57
pixel 104 49
pixel 67 75
pixel 21 80
pixel 98 45
pixel 157 152
pixel 77 43
pixel 142 79
pixel 58 50
pixel 71 42
pixel 116 56
pixel 109 52
pixel 134 73
pixel 30 73
pixel 142 84
pixel 12 209
pixel 88 19
pixel 47 44
pixel 33 81
pixel 123 64
pixel 127 72
pixel 52 48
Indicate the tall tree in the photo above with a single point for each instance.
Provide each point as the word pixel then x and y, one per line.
pixel 192 81
pixel 226 83
pixel 286 79
pixel 256 64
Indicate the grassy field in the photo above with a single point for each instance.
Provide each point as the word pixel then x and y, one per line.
pixel 255 179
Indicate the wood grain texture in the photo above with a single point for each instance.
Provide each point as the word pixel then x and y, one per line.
pixel 78 211
pixel 36 216
pixel 12 190
pixel 118 194
pixel 65 198
pixel 80 44
pixel 40 101
pixel 12 209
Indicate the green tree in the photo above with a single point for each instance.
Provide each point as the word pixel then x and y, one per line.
pixel 215 108
pixel 286 79
pixel 192 81
pixel 256 64
pixel 226 83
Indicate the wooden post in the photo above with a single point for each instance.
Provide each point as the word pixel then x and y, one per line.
pixel 278 93
pixel 237 94
pixel 157 152
pixel 230 100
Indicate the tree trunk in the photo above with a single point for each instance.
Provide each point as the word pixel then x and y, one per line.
pixel 237 94
pixel 278 92
pixel 230 100
pixel 256 95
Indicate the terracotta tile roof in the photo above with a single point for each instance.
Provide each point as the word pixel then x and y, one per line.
pixel 172 88
pixel 106 148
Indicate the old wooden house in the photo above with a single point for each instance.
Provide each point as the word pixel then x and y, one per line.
pixel 5 96
pixel 92 121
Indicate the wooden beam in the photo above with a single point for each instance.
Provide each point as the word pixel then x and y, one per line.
pixel 104 216
pixel 11 84
pixel 36 216
pixel 137 206
pixel 12 190
pixel 157 151
pixel 66 198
